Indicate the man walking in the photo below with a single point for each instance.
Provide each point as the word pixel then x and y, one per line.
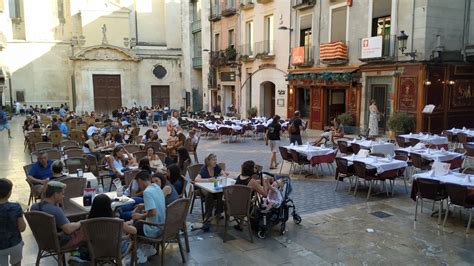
pixel 4 123
pixel 294 129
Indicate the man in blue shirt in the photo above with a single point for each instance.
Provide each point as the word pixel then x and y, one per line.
pixel 40 172
pixel 4 123
pixel 154 207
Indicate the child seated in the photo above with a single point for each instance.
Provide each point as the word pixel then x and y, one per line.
pixel 274 197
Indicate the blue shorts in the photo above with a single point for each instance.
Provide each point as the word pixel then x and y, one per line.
pixel 4 126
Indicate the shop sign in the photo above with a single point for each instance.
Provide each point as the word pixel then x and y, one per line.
pixel 227 76
pixel 407 95
pixel 371 47
pixel 281 92
pixel 297 55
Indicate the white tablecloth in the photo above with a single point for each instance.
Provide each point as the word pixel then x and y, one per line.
pixel 455 178
pixel 432 154
pixel 375 146
pixel 381 164
pixel 310 151
pixel 468 132
pixel 430 139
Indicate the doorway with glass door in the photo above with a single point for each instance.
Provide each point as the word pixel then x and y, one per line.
pixel 379 94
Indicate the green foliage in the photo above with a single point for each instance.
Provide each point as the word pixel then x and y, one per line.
pixel 401 122
pixel 252 112
pixel 346 119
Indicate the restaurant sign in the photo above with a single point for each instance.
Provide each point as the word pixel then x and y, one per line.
pixel 227 76
pixel 297 55
pixel 371 47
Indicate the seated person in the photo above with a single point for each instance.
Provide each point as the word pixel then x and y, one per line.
pixel 118 139
pixel 153 209
pixel 176 179
pixel 57 170
pixel 108 140
pixel 40 172
pixel 154 159
pixel 184 161
pixel 193 139
pixel 149 136
pixel 334 131
pixel 168 189
pixel 248 170
pixel 53 196
pixel 92 145
pixel 208 173
pixel 119 160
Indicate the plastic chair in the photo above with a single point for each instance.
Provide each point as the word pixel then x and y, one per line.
pixel 176 214
pixel 238 201
pixel 43 226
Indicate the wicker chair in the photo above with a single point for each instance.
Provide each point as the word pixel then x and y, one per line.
pixel 413 141
pixel 155 144
pixel 193 171
pixel 56 137
pixel 401 142
pixel 343 147
pixel 458 195
pixel 74 188
pixel 225 132
pixel 31 139
pixel 300 160
pixel 43 146
pixel 238 201
pixel 355 147
pixel 343 170
pixel 139 155
pixel 34 194
pixel 73 164
pixel 192 149
pixel 286 157
pixel 104 240
pixel 77 135
pixel 176 214
pixel 69 144
pixel 420 163
pixel 432 190
pixel 46 235
pixel 131 148
pixel 74 153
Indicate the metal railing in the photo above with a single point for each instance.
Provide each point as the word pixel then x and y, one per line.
pixel 305 56
pixel 265 48
pixel 215 12
pixel 246 50
pixel 372 51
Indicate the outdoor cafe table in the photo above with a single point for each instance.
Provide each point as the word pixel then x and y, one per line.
pixel 375 146
pixel 209 186
pixel 452 177
pixel 315 155
pixel 433 154
pixel 124 200
pixel 429 139
pixel 380 164
pixel 468 132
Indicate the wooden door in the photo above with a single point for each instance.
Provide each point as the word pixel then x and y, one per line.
pixel 317 94
pixel 160 95
pixel 107 93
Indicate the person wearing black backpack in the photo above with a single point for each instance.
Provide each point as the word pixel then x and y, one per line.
pixel 273 136
pixel 294 129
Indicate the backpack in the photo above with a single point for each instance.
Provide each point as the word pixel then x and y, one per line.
pixel 292 128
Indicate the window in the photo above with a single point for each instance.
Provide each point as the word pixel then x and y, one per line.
pixel 230 38
pixel 249 37
pixel 216 9
pixel 196 6
pixel 14 9
pixel 338 23
pixel 381 12
pixel 217 40
pixel 306 31
pixel 197 44
pixel 230 4
pixel 269 34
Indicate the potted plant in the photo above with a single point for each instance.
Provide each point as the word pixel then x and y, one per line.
pixel 252 112
pixel 401 123
pixel 230 53
pixel 347 121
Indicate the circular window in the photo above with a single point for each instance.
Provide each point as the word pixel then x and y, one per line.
pixel 159 71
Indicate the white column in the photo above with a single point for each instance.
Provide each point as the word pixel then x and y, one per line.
pixel 394 25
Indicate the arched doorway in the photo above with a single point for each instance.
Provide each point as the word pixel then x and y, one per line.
pixel 267 99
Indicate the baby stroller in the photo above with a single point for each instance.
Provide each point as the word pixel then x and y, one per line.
pixel 263 220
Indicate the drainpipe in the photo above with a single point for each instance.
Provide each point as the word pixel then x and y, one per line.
pixel 413 26
pixel 465 31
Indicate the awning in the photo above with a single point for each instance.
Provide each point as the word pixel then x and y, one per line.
pixel 346 75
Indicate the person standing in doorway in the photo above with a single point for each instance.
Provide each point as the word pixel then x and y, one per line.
pixel 294 129
pixel 373 119
pixel 4 123
pixel 273 136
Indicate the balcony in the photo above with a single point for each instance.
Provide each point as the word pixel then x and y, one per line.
pixel 246 53
pixel 302 56
pixel 264 1
pixel 223 57
pixel 197 62
pixel 247 4
pixel 229 9
pixel 215 13
pixel 196 26
pixel 378 48
pixel 334 53
pixel 302 4
pixel 265 50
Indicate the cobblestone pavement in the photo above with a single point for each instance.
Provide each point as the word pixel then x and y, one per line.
pixel 333 231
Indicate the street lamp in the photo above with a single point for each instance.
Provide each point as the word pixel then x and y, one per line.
pixel 402 45
pixel 289 42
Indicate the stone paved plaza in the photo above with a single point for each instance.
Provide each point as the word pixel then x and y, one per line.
pixel 337 229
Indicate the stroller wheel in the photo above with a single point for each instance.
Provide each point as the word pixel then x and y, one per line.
pixel 296 218
pixel 261 234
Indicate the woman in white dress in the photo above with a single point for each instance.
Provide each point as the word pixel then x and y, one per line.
pixel 373 119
